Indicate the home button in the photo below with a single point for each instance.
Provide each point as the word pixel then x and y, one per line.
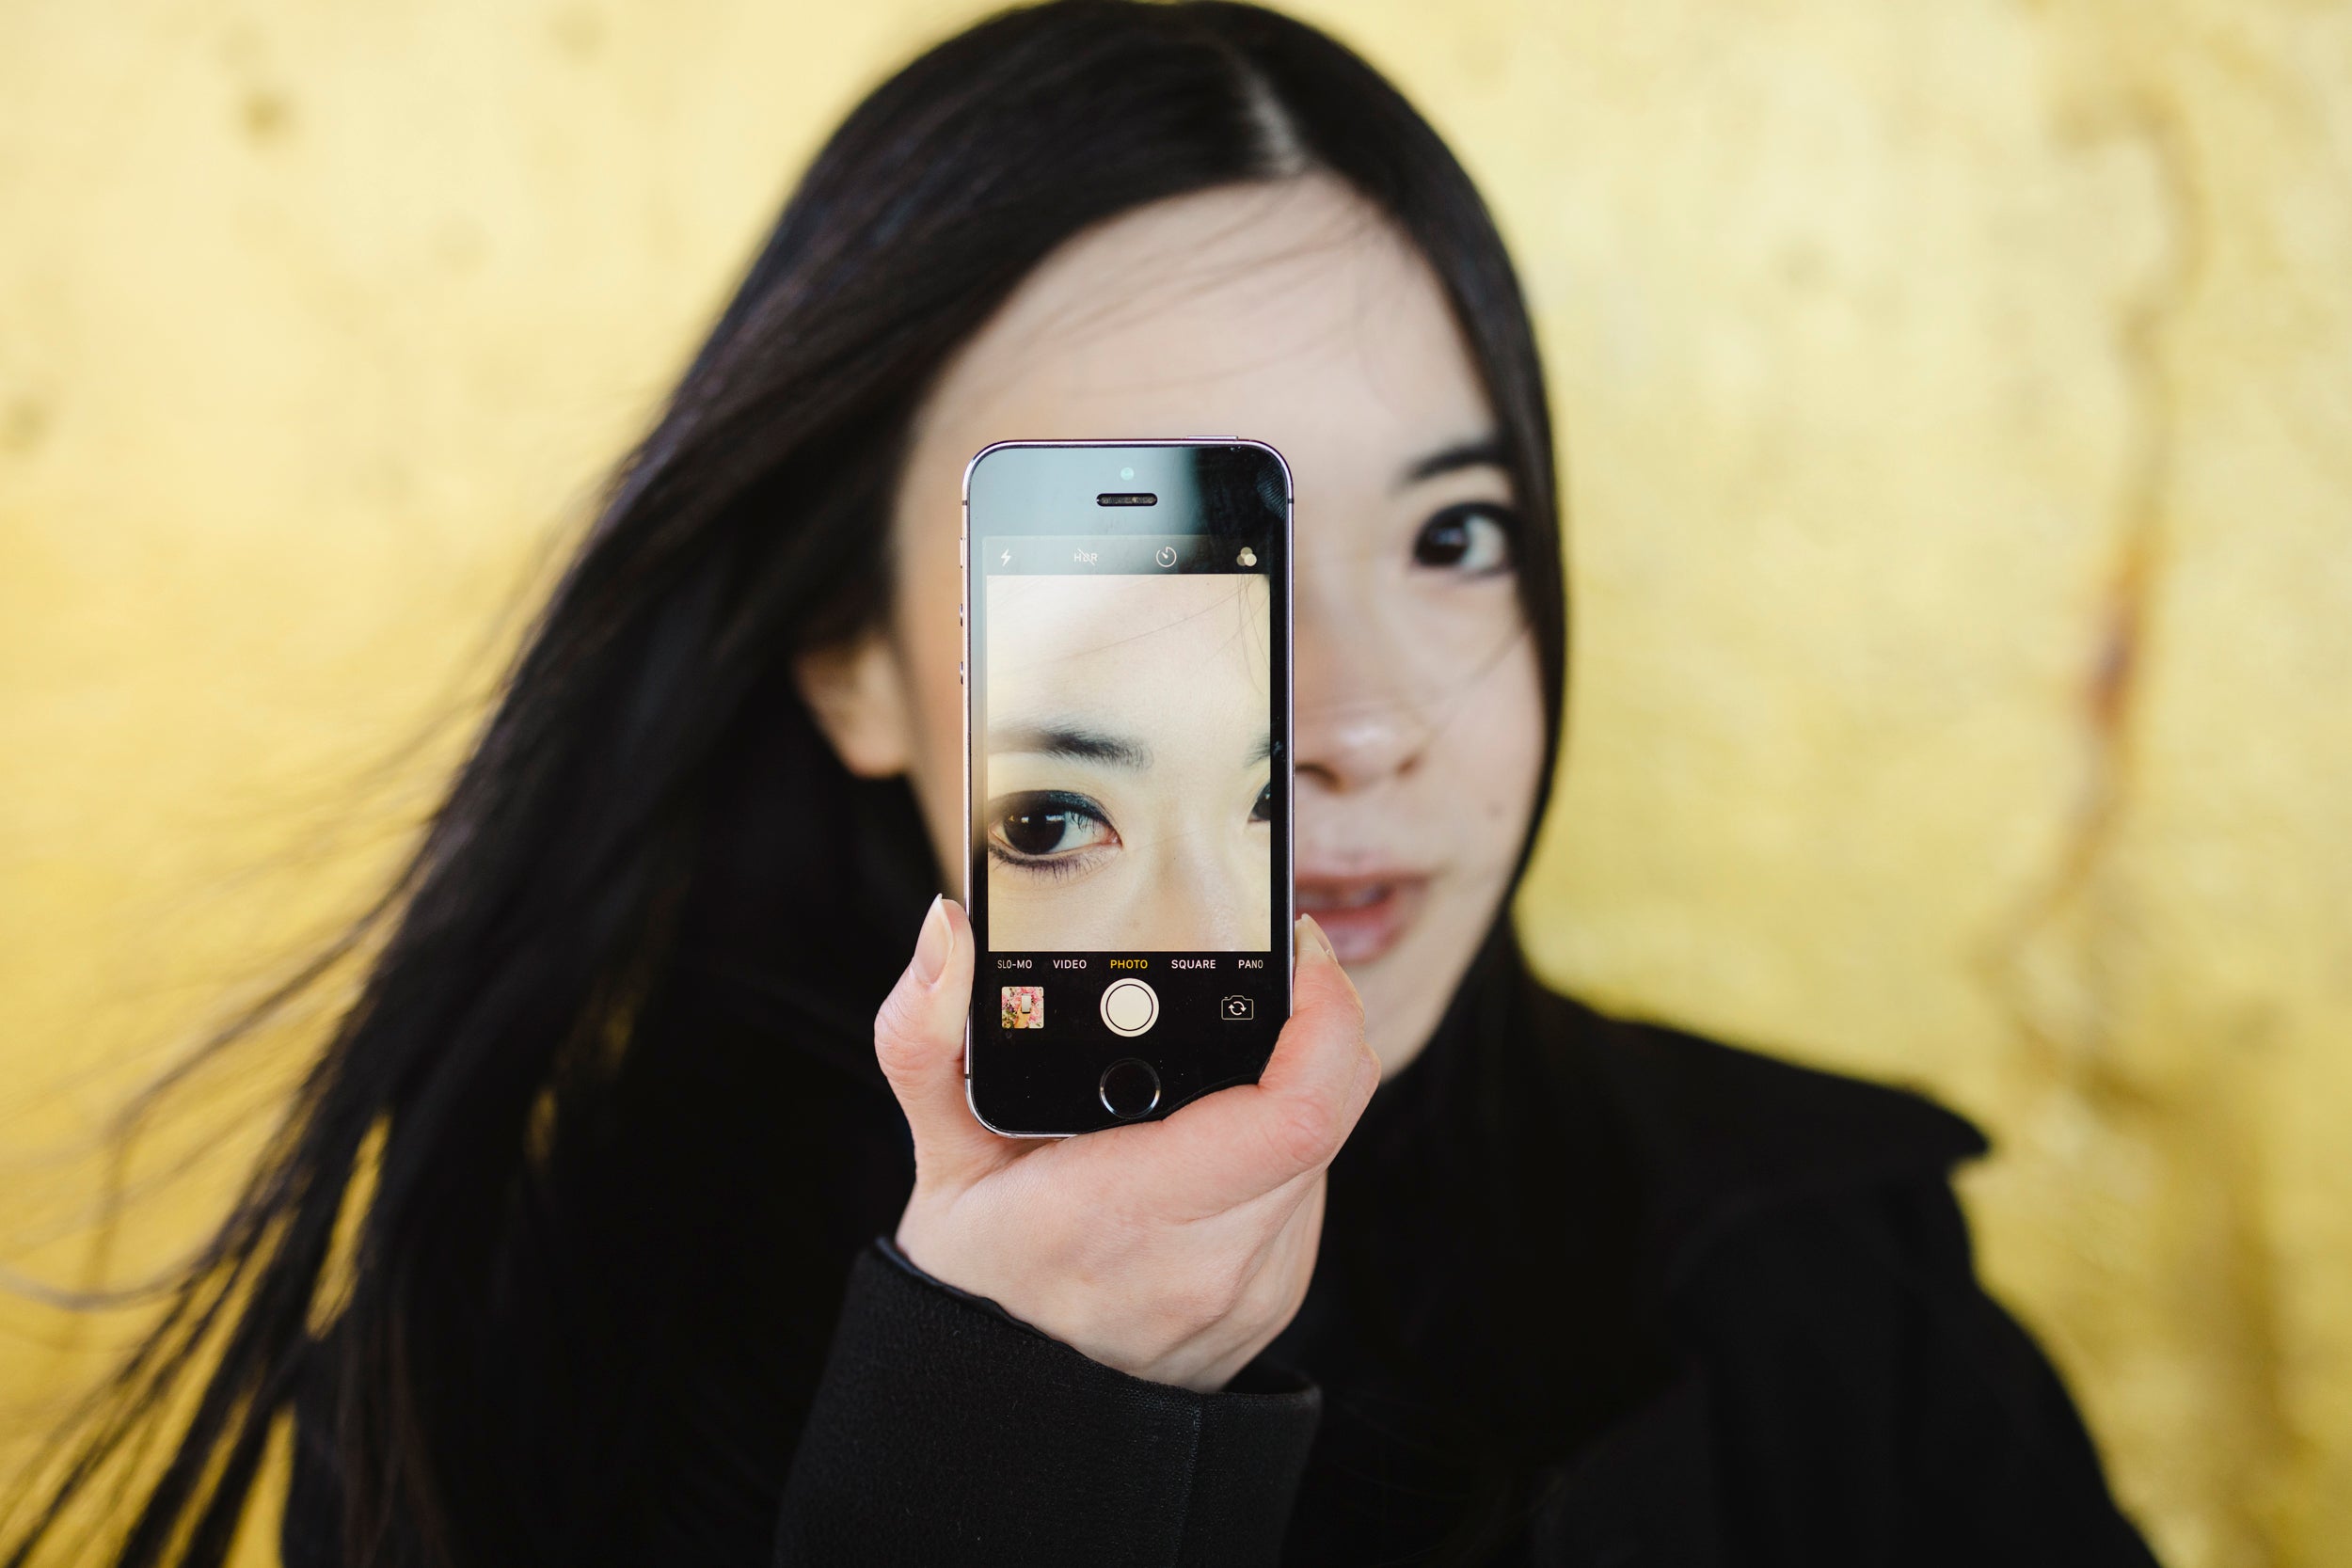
pixel 1130 1088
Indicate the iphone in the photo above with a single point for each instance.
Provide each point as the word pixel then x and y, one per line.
pixel 1127 775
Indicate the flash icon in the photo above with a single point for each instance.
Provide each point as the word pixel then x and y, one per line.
pixel 1005 559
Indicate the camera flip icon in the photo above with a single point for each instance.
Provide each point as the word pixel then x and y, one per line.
pixel 1235 1009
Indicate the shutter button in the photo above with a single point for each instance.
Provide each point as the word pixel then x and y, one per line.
pixel 1130 1006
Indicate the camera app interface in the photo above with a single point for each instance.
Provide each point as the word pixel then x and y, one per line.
pixel 1125 787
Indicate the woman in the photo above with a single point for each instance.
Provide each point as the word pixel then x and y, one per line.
pixel 611 1113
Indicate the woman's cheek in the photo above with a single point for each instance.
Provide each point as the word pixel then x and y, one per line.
pixel 1494 761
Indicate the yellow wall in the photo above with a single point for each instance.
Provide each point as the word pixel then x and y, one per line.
pixel 1957 397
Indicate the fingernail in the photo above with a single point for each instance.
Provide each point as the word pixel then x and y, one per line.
pixel 1312 944
pixel 937 941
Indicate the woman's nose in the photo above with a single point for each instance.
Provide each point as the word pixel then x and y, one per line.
pixel 1357 724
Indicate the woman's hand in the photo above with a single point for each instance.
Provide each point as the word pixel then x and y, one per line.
pixel 1172 1250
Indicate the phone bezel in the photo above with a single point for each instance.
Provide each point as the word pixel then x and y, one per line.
pixel 1285 888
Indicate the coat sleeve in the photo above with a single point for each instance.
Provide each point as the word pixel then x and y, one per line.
pixel 947 1430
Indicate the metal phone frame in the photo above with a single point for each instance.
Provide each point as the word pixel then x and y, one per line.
pixel 1290 724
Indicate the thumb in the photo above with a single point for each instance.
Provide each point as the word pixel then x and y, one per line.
pixel 1293 1120
pixel 1322 1072
pixel 918 1040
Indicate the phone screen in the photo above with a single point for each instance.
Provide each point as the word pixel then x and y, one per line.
pixel 1128 774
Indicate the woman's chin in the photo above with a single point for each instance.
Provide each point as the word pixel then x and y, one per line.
pixel 1365 917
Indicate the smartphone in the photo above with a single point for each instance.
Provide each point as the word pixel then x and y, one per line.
pixel 1127 775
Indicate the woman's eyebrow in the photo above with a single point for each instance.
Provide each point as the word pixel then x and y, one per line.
pixel 1484 452
pixel 1069 741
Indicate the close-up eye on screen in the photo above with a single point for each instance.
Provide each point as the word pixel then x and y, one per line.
pixel 1129 751
pixel 1129 777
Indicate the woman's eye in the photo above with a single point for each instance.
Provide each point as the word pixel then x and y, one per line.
pixel 1263 810
pixel 1472 538
pixel 1050 825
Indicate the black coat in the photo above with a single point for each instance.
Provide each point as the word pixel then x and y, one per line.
pixel 1592 1293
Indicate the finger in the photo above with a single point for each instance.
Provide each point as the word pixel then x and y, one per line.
pixel 918 1039
pixel 1315 1086
pixel 1321 1052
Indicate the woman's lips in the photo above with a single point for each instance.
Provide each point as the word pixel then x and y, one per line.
pixel 1363 915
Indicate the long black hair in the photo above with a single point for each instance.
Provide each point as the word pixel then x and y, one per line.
pixel 443 1246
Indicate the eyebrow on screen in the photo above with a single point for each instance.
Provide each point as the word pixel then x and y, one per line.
pixel 1485 452
pixel 1071 741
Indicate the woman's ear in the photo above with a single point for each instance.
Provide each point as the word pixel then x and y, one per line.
pixel 858 692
